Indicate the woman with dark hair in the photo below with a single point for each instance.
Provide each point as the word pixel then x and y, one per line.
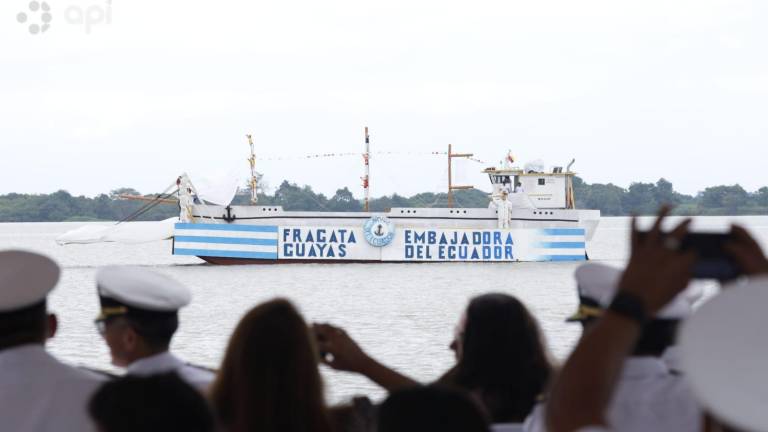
pixel 269 379
pixel 500 357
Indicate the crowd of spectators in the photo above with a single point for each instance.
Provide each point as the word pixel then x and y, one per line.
pixel 648 359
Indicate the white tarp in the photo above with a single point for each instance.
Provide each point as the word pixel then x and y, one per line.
pixel 537 166
pixel 216 189
pixel 126 232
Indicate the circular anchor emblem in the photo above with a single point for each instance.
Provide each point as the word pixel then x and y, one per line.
pixel 379 231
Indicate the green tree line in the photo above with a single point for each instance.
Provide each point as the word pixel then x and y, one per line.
pixel 612 200
pixel 645 199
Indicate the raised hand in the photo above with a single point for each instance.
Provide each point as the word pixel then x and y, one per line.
pixel 747 253
pixel 338 350
pixel 657 269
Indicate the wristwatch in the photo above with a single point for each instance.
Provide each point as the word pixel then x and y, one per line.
pixel 629 306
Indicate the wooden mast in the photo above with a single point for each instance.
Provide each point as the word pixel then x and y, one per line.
pixel 451 186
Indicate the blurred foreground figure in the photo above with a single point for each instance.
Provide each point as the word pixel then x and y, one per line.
pixel 269 379
pixel 720 357
pixel 37 392
pixel 500 358
pixel 139 315
pixel 156 403
pixel 724 349
pixel 422 409
pixel 649 395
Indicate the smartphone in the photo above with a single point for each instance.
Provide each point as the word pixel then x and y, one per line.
pixel 713 260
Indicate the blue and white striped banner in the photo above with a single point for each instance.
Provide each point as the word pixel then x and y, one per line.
pixel 561 244
pixel 228 241
pixel 271 242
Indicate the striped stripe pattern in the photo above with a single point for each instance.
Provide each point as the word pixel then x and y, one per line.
pixel 562 244
pixel 229 241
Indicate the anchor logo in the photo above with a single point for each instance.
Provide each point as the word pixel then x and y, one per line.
pixel 379 231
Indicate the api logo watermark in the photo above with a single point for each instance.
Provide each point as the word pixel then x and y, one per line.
pixel 40 16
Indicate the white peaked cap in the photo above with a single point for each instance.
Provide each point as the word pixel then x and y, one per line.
pixel 724 350
pixel 26 278
pixel 142 289
pixel 600 282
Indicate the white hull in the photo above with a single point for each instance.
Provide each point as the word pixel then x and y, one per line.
pixel 271 234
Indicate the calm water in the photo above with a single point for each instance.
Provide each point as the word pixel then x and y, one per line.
pixel 403 314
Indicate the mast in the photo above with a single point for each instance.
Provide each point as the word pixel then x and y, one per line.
pixel 254 180
pixel 451 186
pixel 366 177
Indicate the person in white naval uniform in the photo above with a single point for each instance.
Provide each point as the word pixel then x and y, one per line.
pixel 139 316
pixel 648 395
pixel 503 208
pixel 722 343
pixel 38 393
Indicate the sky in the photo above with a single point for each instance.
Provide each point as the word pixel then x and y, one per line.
pixel 131 93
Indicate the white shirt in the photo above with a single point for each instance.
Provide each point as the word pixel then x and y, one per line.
pixel 671 358
pixel 38 393
pixel 647 398
pixel 166 362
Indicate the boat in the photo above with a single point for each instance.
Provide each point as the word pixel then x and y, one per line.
pixel 532 216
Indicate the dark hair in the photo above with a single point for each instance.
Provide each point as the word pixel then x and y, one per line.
pixel 152 403
pixel 269 379
pixel 503 359
pixel 23 326
pixel 156 332
pixel 431 409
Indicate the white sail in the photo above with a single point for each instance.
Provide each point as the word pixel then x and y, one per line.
pixel 126 232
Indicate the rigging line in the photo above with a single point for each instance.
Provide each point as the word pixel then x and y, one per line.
pixel 152 205
pixel 162 195
pixel 346 154
pixel 143 209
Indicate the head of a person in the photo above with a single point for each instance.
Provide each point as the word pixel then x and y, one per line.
pixel 269 378
pixel 501 356
pixel 26 278
pixel 139 312
pixel 597 285
pixel 155 403
pixel 431 408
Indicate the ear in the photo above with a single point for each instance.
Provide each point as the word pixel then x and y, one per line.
pixel 130 339
pixel 53 326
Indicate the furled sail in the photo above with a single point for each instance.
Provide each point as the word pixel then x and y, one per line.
pixel 126 232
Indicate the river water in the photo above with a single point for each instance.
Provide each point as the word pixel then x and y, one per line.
pixel 403 314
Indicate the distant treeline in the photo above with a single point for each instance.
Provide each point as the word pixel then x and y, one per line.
pixel 645 199
pixel 612 200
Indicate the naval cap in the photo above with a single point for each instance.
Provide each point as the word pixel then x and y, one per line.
pixel 124 289
pixel 724 350
pixel 598 283
pixel 26 278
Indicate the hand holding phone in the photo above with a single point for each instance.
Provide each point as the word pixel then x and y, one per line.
pixel 713 258
pixel 746 252
pixel 724 256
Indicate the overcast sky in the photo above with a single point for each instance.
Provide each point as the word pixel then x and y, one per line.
pixel 135 92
